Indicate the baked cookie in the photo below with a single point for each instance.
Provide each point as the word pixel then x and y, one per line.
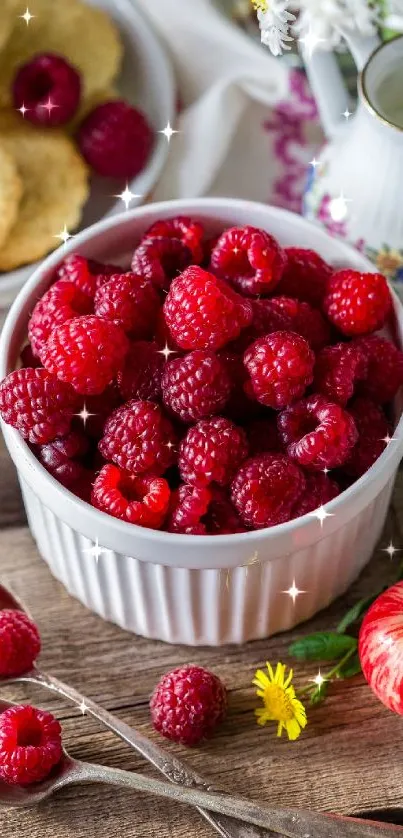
pixel 10 192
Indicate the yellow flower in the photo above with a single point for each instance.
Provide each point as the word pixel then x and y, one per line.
pixel 280 702
pixel 260 5
pixel 388 261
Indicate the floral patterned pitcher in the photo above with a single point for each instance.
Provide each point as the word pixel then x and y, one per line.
pixel 355 188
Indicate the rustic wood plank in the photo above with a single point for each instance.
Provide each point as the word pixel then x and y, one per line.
pixel 346 761
pixel 12 511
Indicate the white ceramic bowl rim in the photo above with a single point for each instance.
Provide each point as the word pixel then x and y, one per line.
pixel 41 480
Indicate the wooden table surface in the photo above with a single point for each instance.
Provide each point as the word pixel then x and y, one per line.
pixel 348 759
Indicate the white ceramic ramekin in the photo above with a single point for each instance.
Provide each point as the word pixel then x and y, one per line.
pixel 194 589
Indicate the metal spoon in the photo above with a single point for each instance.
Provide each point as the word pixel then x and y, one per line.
pixel 293 823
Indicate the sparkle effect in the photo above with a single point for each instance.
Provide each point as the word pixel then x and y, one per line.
pixel 253 559
pixel 95 551
pixel 49 106
pixel 23 110
pixel 293 592
pixel 166 352
pixel 347 114
pixel 26 16
pixel 168 132
pixel 390 549
pixel 310 41
pixel 64 235
pixel 387 439
pixel 321 514
pixel 84 415
pixel 127 196
pixel 315 163
pixel 319 680
pixel 83 707
pixel 338 207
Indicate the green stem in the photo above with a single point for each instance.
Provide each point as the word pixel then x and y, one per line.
pixel 329 675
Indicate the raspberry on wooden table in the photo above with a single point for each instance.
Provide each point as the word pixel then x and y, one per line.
pixel 305 276
pixel 319 490
pixel 87 352
pixel 37 404
pixel 138 437
pixel 49 88
pixel 61 458
pixel 265 490
pixel 189 505
pixel 63 301
pixel 141 374
pixel 187 704
pixel 196 386
pixel 317 433
pixel 30 745
pixel 115 139
pixel 160 259
pixel 189 231
pixel 211 452
pixel 20 643
pixel 131 302
pixel 384 368
pixel 338 370
pixel 249 258
pixel 203 312
pixel 357 303
pixel 373 430
pixel 280 367
pixel 305 320
pixel 141 500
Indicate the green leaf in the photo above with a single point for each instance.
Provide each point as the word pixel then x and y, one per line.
pixel 355 613
pixel 319 694
pixel 322 646
pixel 351 667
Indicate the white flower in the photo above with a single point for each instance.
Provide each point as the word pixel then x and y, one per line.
pixel 323 17
pixel 393 15
pixel 274 25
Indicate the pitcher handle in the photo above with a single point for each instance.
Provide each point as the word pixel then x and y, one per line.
pixel 327 83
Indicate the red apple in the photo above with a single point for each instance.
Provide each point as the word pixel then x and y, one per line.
pixel 380 647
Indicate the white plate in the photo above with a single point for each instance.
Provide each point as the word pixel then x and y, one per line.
pixel 146 81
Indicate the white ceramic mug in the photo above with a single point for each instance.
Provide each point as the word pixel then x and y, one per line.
pixel 355 187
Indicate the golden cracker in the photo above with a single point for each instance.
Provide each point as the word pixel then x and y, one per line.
pixel 8 16
pixel 85 35
pixel 55 187
pixel 10 193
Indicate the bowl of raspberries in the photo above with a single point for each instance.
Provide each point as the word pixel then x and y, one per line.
pixel 202 399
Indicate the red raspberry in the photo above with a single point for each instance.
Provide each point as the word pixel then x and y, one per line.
pixel 337 371
pixel 250 258
pixel 63 301
pixel 385 368
pixel 373 429
pixel 318 492
pixel 221 518
pixel 202 312
pixel 49 88
pixel 140 377
pixel 131 302
pixel 87 274
pixel 95 410
pixel 87 352
pixel 188 704
pixel 37 404
pixel 30 745
pixel 61 458
pixel 263 436
pixel 317 433
pixel 189 231
pixel 162 335
pixel 141 500
pixel 115 139
pixel 138 438
pixel 189 505
pixel 265 490
pixel 357 303
pixel 305 276
pixel 161 259
pixel 280 367
pixel 20 643
pixel 196 386
pixel 268 317
pixel 304 320
pixel 211 452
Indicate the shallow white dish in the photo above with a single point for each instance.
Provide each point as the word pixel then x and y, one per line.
pixel 198 589
pixel 146 81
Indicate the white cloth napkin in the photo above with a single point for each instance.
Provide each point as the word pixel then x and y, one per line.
pixel 226 83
